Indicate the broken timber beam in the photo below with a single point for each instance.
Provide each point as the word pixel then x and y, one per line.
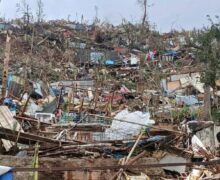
pixel 26 138
pixel 115 167
pixel 31 120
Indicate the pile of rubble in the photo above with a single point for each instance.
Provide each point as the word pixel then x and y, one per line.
pixel 138 112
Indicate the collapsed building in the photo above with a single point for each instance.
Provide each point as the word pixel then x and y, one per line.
pixel 75 108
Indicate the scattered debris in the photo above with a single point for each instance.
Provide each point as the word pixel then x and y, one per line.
pixel 72 91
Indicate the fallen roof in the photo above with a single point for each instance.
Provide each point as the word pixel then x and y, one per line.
pixel 83 84
pixel 8 122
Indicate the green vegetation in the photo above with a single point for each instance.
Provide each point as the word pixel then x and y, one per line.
pixel 215 114
pixel 180 114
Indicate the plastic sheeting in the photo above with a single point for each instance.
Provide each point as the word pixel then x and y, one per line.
pixel 126 130
pixel 134 59
pixel 37 88
pixel 109 62
pixel 11 105
pixel 197 144
pixel 6 173
pixel 186 100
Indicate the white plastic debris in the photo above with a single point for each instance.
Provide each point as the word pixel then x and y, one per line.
pixel 128 129
pixel 196 174
pixel 197 144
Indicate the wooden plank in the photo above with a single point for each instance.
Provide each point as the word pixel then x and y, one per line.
pixel 26 138
pixel 173 85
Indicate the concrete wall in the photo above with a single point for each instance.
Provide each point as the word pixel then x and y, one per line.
pixel 208 137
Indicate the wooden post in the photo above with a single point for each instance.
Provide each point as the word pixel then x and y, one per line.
pixel 25 105
pixel 6 61
pixel 118 175
pixel 59 98
pixel 207 104
pixel 96 98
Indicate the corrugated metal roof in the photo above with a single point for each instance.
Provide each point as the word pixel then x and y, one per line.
pixel 80 84
pixel 7 121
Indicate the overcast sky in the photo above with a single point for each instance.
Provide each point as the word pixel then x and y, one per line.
pixel 165 14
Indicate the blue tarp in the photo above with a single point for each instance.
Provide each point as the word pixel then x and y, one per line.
pixel 6 173
pixel 7 176
pixel 109 62
pixel 170 53
pixel 11 105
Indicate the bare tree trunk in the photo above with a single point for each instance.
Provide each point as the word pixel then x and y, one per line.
pixel 207 104
pixel 145 12
pixel 40 11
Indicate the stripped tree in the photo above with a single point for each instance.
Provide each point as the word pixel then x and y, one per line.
pixel 40 11
pixel 25 10
pixel 143 4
